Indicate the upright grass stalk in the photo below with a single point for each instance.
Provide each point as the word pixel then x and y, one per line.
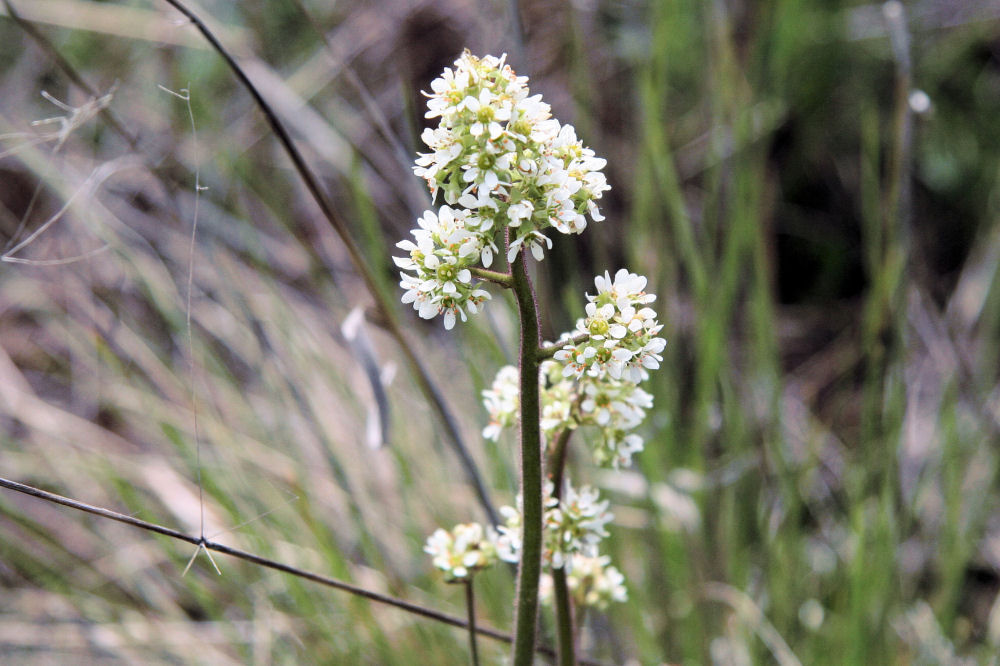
pixel 530 568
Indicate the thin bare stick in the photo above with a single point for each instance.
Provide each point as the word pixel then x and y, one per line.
pixel 385 305
pixel 470 609
pixel 320 579
pixel 185 96
pixel 106 114
pixel 248 557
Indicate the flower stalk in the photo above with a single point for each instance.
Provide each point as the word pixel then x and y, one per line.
pixel 530 568
pixel 548 351
pixel 509 173
pixel 565 627
pixel 470 605
pixel 502 279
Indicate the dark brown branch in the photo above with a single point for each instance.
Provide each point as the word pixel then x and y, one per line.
pixel 265 562
pixel 43 43
pixel 311 182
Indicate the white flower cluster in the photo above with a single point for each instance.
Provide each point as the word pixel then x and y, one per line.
pixel 573 529
pixel 507 172
pixel 447 244
pixel 502 401
pixel 592 581
pixel 619 332
pixel 617 345
pixel 501 162
pixel 463 551
pixel 616 407
pixel 572 525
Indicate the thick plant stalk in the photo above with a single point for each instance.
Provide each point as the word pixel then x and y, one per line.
pixel 530 568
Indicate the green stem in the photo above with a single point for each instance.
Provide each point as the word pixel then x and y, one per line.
pixel 470 605
pixel 548 351
pixel 565 634
pixel 503 279
pixel 565 629
pixel 530 567
pixel 557 460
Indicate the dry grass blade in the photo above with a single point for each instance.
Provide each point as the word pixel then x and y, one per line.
pixel 343 231
pixel 264 562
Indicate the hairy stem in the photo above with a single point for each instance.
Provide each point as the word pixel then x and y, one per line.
pixel 502 279
pixel 565 629
pixel 529 570
pixel 470 605
pixel 548 351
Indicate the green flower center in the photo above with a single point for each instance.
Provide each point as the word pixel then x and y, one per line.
pixel 598 327
pixel 485 114
pixel 445 272
pixel 486 161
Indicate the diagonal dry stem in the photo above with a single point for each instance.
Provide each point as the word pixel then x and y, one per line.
pixel 339 225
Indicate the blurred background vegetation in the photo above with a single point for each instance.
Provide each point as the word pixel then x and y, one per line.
pixel 812 187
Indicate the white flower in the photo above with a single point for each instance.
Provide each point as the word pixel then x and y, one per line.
pixel 617 448
pixel 534 240
pixel 502 401
pixel 591 581
pixel 558 397
pixel 614 403
pixel 463 551
pixel 519 212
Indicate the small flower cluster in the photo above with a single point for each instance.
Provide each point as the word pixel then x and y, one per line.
pixel 618 334
pixel 447 244
pixel 502 401
pixel 620 348
pixel 592 581
pixel 573 525
pixel 501 162
pixel 463 551
pixel 616 407
pixel 573 528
